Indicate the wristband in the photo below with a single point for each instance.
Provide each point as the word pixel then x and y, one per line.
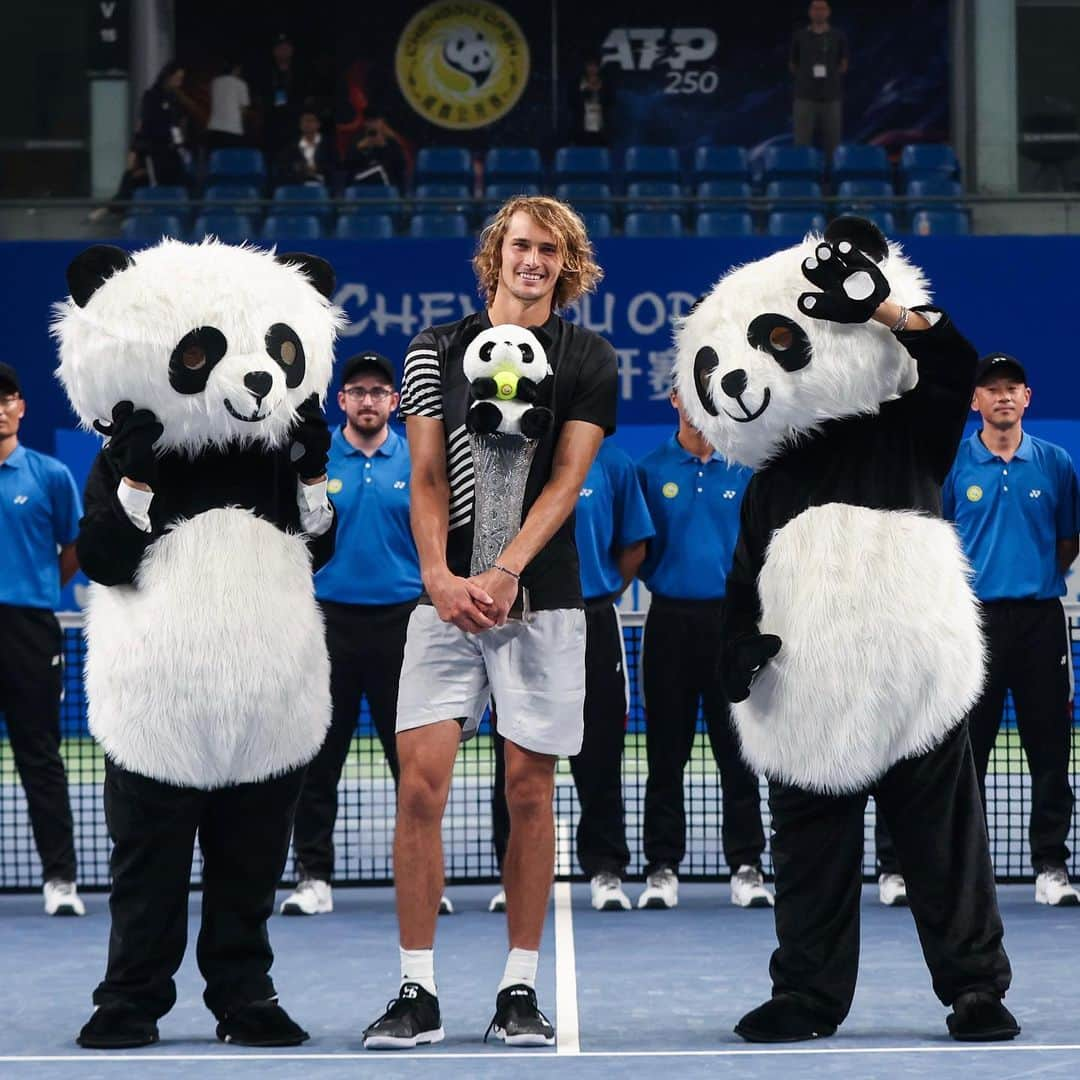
pixel 901 323
pixel 506 570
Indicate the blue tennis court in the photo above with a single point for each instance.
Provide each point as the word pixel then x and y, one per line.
pixel 629 992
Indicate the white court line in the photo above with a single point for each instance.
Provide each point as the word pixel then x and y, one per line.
pixel 566 1010
pixel 92 1057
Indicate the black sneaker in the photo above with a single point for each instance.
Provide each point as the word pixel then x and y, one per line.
pixel 411 1019
pixel 518 1020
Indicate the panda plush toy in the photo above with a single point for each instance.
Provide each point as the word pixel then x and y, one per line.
pixel 852 648
pixel 207 675
pixel 506 367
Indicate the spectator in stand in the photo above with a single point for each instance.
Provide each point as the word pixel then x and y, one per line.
pixel 282 93
pixel 162 132
pixel 378 156
pixel 819 62
pixel 230 102
pixel 312 159
pixel 593 101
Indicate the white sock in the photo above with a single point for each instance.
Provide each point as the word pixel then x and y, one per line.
pixel 418 966
pixel 520 969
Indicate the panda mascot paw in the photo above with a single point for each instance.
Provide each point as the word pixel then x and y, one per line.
pixel 132 434
pixel 741 661
pixel 981 1016
pixel 261 1023
pixel 844 268
pixel 507 369
pixel 117 1027
pixel 783 1018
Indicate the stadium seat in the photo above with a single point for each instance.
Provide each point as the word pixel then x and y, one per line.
pixel 237 164
pixel 597 224
pixel 513 165
pixel 928 159
pixel 794 223
pixel 653 195
pixel 724 223
pixel 796 195
pixel 883 219
pixel 151 227
pixel 877 192
pixel 232 194
pixel 934 188
pixel 651 163
pixel 940 223
pixel 226 225
pixel 444 165
pixel 148 200
pixel 855 161
pixel 724 189
pixel 496 194
pixel 302 199
pixel 292 227
pixel 793 163
pixel 582 163
pixel 436 225
pixel 721 163
pixel 365 194
pixel 653 224
pixel 586 196
pixel 364 226
pixel 449 196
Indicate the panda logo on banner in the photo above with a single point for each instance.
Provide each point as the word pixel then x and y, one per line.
pixel 462 65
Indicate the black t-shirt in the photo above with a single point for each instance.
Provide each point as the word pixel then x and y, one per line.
pixel 813 53
pixel 583 387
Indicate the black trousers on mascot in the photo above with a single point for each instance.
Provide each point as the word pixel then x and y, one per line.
pixel 243 832
pixel 932 808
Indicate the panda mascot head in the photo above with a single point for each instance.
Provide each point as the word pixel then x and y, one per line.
pixel 507 366
pixel 756 371
pixel 222 343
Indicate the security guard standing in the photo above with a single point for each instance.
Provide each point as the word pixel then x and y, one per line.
pixel 611 526
pixel 367 592
pixel 1016 504
pixel 694 498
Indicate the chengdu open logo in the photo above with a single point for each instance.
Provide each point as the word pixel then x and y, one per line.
pixel 462 65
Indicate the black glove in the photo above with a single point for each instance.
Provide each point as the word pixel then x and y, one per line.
pixel 310 449
pixel 742 659
pixel 130 448
pixel 851 285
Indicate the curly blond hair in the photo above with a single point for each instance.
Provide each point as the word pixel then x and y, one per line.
pixel 580 272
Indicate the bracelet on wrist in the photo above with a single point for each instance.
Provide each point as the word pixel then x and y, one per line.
pixel 901 322
pixel 506 570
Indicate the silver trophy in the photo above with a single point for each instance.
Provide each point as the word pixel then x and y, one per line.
pixel 501 464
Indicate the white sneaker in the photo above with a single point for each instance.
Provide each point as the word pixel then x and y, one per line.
pixel 892 890
pixel 445 907
pixel 62 898
pixel 607 893
pixel 498 901
pixel 310 897
pixel 748 888
pixel 1052 887
pixel 661 890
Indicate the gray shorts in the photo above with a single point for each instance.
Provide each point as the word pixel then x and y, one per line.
pixel 534 669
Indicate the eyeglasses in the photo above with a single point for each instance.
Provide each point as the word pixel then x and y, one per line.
pixel 378 394
pixel 9 401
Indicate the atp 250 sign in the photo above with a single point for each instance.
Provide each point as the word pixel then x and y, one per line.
pixel 682 50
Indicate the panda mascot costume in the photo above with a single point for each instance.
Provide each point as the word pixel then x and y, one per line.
pixel 207 675
pixel 852 648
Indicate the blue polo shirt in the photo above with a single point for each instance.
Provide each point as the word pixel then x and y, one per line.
pixel 1010 516
pixel 611 515
pixel 39 512
pixel 694 506
pixel 375 560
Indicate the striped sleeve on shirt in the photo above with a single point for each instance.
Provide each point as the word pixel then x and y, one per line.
pixel 421 384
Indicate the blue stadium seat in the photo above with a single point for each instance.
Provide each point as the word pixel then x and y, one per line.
pixel 935 188
pixel 457 196
pixel 794 223
pixel 226 225
pixel 653 195
pixel 152 227
pixel 855 161
pixel 364 226
pixel 798 195
pixel 721 163
pixel 883 219
pixel 513 164
pixel 363 194
pixel 148 200
pixel 724 189
pixel 434 225
pixel 586 196
pixel 793 163
pixel 232 194
pixel 651 163
pixel 444 165
pixel 577 163
pixel 724 223
pixel 654 224
pixel 302 199
pixel 598 224
pixel 496 194
pixel 928 159
pixel 292 227
pixel 876 191
pixel 940 223
pixel 236 164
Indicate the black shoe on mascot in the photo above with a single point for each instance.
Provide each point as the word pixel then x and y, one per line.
pixel 207 676
pixel 852 649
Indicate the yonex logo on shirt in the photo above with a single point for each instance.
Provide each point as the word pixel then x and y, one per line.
pixel 585 492
pixel 729 494
pixel 1034 493
pixel 399 484
pixel 20 499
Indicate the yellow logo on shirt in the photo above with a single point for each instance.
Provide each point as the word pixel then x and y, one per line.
pixel 670 490
pixel 974 493
pixel 334 486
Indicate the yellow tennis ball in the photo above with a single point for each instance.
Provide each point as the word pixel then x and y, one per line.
pixel 506 383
